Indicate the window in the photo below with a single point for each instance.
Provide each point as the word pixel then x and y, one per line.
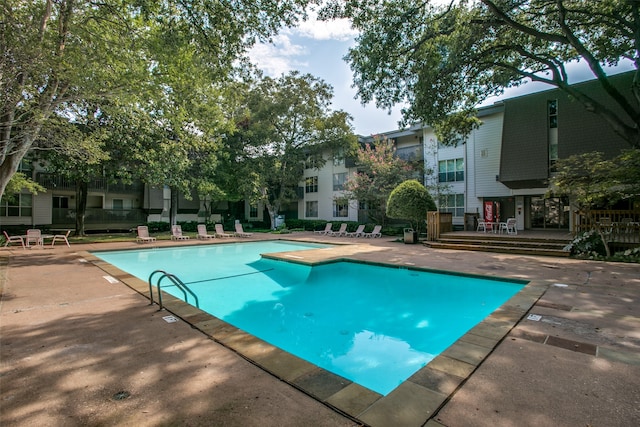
pixel 16 205
pixel 552 107
pixel 553 113
pixel 118 204
pixel 311 184
pixel 311 209
pixel 338 181
pixel 60 202
pixel 340 209
pixel 453 203
pixel 338 158
pixel 451 170
pixel 253 211
pixel 312 162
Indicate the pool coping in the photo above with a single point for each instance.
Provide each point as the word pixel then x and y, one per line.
pixel 411 404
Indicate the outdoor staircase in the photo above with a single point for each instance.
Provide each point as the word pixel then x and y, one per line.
pixel 511 244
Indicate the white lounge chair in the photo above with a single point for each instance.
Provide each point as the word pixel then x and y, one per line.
pixel 143 235
pixel 240 231
pixel 61 237
pixel 176 233
pixel 358 233
pixel 327 229
pixel 341 232
pixel 220 231
pixel 13 239
pixel 375 232
pixel 203 233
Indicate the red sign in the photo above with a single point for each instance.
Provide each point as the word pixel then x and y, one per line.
pixel 488 211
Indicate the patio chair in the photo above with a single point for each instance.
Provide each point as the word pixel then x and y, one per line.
pixel 176 233
pixel 220 231
pixel 482 226
pixel 13 239
pixel 341 232
pixel 358 233
pixel 375 232
pixel 34 236
pixel 240 231
pixel 327 229
pixel 143 235
pixel 203 234
pixel 509 226
pixel 62 238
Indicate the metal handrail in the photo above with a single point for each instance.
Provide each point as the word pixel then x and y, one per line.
pixel 176 281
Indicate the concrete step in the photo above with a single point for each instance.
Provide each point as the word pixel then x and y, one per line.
pixel 511 249
pixel 510 243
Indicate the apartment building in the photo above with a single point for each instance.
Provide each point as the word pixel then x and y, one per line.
pixel 499 170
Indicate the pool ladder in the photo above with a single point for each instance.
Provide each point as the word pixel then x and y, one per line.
pixel 176 282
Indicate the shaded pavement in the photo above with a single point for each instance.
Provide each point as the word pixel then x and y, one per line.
pixel 76 349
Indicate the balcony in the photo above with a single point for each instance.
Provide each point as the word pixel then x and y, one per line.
pixel 410 154
pixel 56 182
pixel 99 219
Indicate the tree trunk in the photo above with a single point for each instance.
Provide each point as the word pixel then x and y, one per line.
pixel 173 208
pixel 81 206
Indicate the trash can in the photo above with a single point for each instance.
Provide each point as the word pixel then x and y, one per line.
pixel 410 235
pixel 279 220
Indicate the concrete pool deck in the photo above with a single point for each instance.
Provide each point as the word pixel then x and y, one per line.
pixel 77 349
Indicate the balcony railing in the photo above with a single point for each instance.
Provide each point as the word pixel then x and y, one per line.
pixel 100 219
pixel 410 154
pixel 620 226
pixel 54 181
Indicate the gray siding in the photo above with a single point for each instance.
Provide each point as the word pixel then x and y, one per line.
pixel 525 159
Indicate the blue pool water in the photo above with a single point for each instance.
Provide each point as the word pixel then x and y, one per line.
pixel 373 325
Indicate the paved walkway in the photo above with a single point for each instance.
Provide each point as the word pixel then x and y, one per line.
pixel 78 350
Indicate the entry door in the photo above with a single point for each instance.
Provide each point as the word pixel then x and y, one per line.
pixel 549 213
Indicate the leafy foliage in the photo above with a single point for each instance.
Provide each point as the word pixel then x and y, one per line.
pixel 379 172
pixel 410 200
pixel 58 54
pixel 283 123
pixel 444 58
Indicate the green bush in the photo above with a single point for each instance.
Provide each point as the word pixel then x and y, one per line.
pixel 410 201
pixel 587 245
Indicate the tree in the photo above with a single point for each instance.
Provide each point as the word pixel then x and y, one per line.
pixel 379 172
pixel 444 58
pixel 591 181
pixel 58 53
pixel 287 122
pixel 410 201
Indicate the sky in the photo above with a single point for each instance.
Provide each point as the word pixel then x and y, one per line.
pixel 318 48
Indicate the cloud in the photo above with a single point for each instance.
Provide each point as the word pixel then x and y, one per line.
pixel 284 53
pixel 278 57
pixel 338 29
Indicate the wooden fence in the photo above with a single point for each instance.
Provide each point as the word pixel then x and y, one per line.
pixel 437 223
pixel 618 226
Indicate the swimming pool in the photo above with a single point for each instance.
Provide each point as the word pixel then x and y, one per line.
pixel 371 324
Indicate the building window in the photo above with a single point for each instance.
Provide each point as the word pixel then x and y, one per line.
pixel 312 162
pixel 311 184
pixel 451 170
pixel 340 209
pixel 311 209
pixel 338 158
pixel 338 181
pixel 253 211
pixel 17 205
pixel 60 202
pixel 552 107
pixel 453 203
